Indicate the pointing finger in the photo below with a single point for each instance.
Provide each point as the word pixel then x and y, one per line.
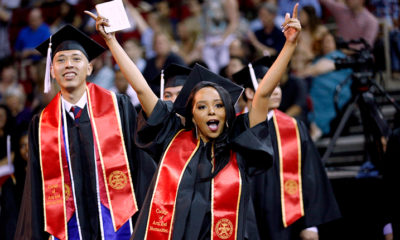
pixel 294 15
pixel 92 15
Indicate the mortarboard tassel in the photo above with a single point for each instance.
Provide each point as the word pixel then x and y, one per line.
pixel 253 77
pixel 162 85
pixel 47 83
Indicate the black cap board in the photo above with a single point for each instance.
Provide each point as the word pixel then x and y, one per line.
pixel 174 75
pixel 70 38
pixel 260 67
pixel 198 74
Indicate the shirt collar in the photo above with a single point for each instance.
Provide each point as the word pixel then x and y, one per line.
pixel 270 114
pixel 81 103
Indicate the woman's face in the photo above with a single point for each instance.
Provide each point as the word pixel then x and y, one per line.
pixel 208 113
pixel 303 18
pixel 328 44
pixel 162 45
pixel 23 147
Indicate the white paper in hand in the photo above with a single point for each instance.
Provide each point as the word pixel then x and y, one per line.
pixel 115 12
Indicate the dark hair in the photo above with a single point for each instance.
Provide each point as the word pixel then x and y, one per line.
pixel 9 125
pixel 221 143
pixel 313 20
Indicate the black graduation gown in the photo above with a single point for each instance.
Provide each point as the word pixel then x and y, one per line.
pixel 31 222
pixel 193 211
pixel 320 205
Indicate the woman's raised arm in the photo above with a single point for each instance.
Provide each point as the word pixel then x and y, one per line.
pixel 132 74
pixel 259 109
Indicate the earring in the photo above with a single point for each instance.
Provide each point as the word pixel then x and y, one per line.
pixel 195 128
pixel 227 125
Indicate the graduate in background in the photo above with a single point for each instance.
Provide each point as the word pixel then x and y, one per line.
pixel 86 177
pixel 307 198
pixel 201 189
pixel 168 84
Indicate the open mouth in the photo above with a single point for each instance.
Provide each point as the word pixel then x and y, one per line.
pixel 213 125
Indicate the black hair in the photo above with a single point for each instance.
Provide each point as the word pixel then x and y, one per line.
pixel 221 143
pixel 9 125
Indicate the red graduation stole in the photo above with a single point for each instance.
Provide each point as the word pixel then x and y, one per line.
pixel 226 191
pixel 110 149
pixel 289 147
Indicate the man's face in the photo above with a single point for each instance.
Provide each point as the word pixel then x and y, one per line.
pixel 120 82
pixel 266 18
pixel 171 93
pixel 35 18
pixel 70 69
pixel 275 99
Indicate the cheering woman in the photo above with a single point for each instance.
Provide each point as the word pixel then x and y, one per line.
pixel 205 153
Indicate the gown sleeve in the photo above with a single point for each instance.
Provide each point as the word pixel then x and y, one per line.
pixel 153 132
pixel 253 144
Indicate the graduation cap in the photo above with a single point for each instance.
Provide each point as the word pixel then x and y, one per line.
pixel 247 77
pixel 199 74
pixel 172 76
pixel 67 38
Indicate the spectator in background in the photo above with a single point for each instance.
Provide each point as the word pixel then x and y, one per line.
pixel 164 56
pixel 189 42
pixel 325 78
pixel 239 53
pixel 102 73
pixel 39 98
pixel 312 30
pixel 221 19
pixel 31 36
pixel 195 12
pixel 269 39
pixel 389 12
pixel 353 20
pixel 8 78
pixel 5 19
pixel 135 52
pixel 240 48
pixel 122 86
pixel 66 15
pixel 147 29
pixel 15 99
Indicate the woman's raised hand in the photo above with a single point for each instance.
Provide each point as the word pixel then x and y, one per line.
pixel 100 23
pixel 291 26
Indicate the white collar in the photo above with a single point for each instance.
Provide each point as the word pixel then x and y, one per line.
pixel 270 114
pixel 67 105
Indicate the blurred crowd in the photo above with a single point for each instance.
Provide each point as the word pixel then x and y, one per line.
pixel 222 35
